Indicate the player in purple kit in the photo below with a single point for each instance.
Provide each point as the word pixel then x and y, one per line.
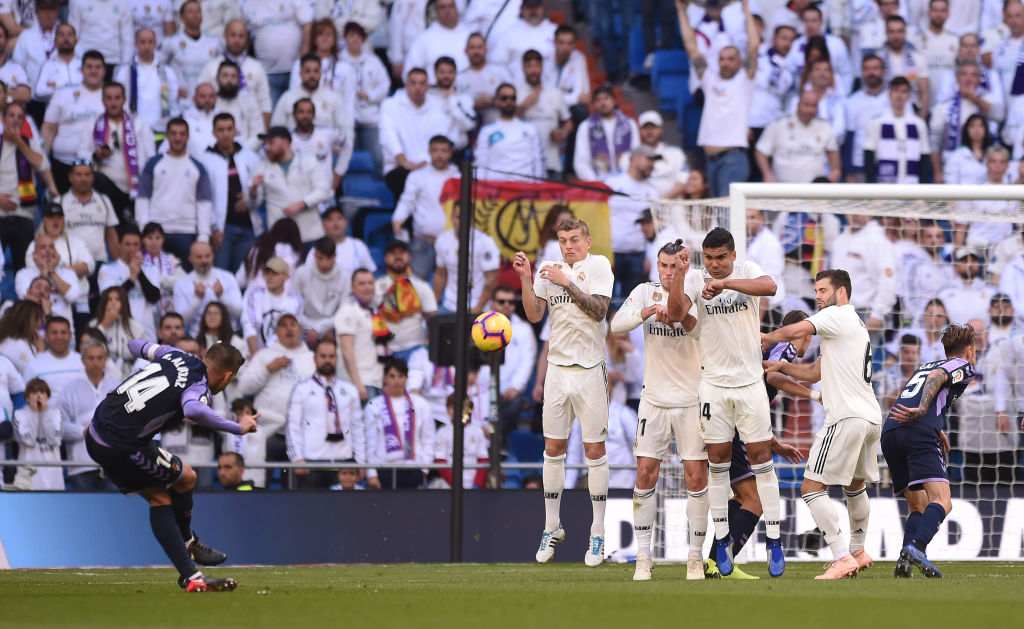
pixel 173 387
pixel 914 445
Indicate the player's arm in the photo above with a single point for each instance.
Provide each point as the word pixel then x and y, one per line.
pixel 806 372
pixel 763 286
pixel 679 303
pixel 790 332
pixel 533 305
pixel 594 306
pixel 787 451
pixel 150 351
pixel 790 386
pixel 937 378
pixel 196 410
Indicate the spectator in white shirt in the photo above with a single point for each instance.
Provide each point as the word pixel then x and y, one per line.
pixel 37 430
pixel 104 26
pixel 175 187
pixel 603 138
pixel 325 421
pixel 542 104
pixel 896 143
pixel 864 252
pixel 119 144
pixel 371 88
pixel 291 185
pixel 264 305
pixel 252 78
pixel 406 302
pixel 113 319
pixel 73 253
pixel 331 110
pixel 867 103
pixel 89 214
pixel 509 149
pixel 532 31
pixel 481 79
pixel 814 26
pixel 163 269
pixel 968 296
pixel 21 159
pixel 444 38
pixel 984 236
pixel 62 67
pixel 352 253
pixel 625 210
pixel 126 272
pixel 72 109
pixel 569 67
pixel 399 428
pixel 966 164
pixel 772 82
pixel 938 45
pixel 59 364
pixel 324 287
pixel 281 32
pixel 337 77
pixel 363 336
pixel 764 248
pixel 728 93
pixel 671 171
pixel 242 106
pixel 152 87
pixel 407 122
pixel 483 268
pixel 203 285
pixel 900 60
pixel 231 167
pixel 188 50
pixel 419 207
pixel 332 148
pixel 799 146
pixel 156 15
pixel 46 262
pixel 457 107
pixel 35 45
pixel 77 403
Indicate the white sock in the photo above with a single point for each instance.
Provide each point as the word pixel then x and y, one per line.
pixel 718 497
pixel 645 509
pixel 697 519
pixel 859 506
pixel 597 482
pixel 825 516
pixel 554 483
pixel 768 492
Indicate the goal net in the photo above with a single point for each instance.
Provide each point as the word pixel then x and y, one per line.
pixel 920 257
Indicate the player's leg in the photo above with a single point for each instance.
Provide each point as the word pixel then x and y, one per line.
pixel 745 505
pixel 589 400
pixel 693 453
pixel 181 503
pixel 557 422
pixel 927 470
pixel 857 503
pixel 653 435
pixel 894 451
pixel 754 424
pixel 717 427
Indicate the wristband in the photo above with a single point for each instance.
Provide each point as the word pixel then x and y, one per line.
pixel 816 396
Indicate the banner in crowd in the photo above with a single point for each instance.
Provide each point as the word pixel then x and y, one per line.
pixel 513 212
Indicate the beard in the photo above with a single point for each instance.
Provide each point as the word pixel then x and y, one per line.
pixel 227 92
pixel 326 370
pixel 1002 321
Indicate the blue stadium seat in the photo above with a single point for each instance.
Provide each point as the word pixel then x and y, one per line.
pixel 637 52
pixel 669 62
pixel 365 186
pixel 373 226
pixel 525 447
pixel 688 119
pixel 362 162
pixel 670 88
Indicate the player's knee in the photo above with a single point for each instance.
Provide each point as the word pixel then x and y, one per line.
pixel 758 456
pixel 187 480
pixel 696 480
pixel 594 451
pixel 555 448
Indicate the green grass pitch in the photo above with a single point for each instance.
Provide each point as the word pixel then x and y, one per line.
pixel 525 596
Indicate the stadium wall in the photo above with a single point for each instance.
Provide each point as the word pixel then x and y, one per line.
pixel 50 530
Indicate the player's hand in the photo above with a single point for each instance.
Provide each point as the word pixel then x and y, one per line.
pixel 661 314
pixel 521 265
pixel 554 275
pixel 248 423
pixel 373 483
pixel 770 366
pixel 682 264
pixel 538 392
pixel 903 415
pixel 787 451
pixel 944 442
pixel 1003 422
pixel 278 364
pixel 765 342
pixel 713 289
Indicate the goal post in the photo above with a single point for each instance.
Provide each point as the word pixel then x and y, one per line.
pixel 921 224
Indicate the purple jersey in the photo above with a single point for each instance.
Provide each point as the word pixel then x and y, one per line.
pixel 961 373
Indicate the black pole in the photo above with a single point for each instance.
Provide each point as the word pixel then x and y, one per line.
pixel 461 354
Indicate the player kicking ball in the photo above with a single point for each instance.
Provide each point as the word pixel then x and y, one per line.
pixel 844 450
pixel 731 393
pixel 577 290
pixel 914 445
pixel 174 387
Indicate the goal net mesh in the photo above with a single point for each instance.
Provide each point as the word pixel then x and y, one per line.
pixel 955 259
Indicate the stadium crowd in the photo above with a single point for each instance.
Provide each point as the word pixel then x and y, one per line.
pixel 183 172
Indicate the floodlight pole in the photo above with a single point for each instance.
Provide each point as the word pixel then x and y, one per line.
pixel 461 352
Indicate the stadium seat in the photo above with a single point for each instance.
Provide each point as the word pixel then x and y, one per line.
pixel 362 162
pixel 524 447
pixel 688 120
pixel 375 192
pixel 669 62
pixel 373 226
pixel 637 52
pixel 670 88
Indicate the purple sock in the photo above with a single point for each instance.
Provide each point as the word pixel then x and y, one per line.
pixel 929 526
pixel 166 531
pixel 910 528
pixel 741 525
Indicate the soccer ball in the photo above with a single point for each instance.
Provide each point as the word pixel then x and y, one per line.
pixel 492 331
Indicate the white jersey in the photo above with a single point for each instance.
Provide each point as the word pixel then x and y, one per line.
pixel 576 339
pixel 730 330
pixel 188 55
pixel 845 365
pixel 671 356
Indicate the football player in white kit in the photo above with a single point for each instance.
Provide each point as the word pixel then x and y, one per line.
pixel 845 449
pixel 731 394
pixel 668 407
pixel 577 289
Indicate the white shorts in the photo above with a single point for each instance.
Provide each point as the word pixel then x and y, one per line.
pixel 656 425
pixel 843 451
pixel 576 393
pixel 726 410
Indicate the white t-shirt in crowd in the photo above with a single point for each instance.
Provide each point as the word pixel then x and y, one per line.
pixel 726 105
pixel 73 109
pixel 797 150
pixel 485 257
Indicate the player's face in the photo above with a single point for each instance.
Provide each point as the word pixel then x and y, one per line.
pixel 574 245
pixel 719 261
pixel 666 269
pixel 394 381
pixel 824 293
pixel 326 359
